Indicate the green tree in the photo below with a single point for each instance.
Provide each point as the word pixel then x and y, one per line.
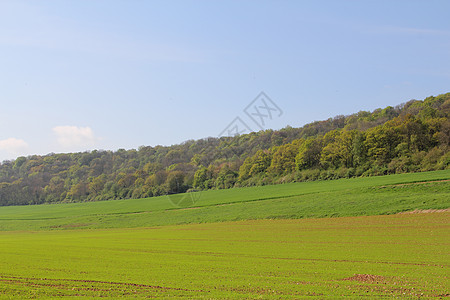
pixel 309 154
pixel 96 186
pixel 339 151
pixel 175 182
pixel 200 177
pixel 283 160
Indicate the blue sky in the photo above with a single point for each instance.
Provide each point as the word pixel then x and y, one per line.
pixel 103 74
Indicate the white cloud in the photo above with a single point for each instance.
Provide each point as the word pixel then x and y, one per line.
pixel 75 137
pixel 13 146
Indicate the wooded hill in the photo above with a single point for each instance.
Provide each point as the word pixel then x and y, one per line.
pixel 411 137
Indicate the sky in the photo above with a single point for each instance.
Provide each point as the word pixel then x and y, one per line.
pixel 104 74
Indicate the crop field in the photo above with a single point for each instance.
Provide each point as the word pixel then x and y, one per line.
pixel 401 255
pixel 365 237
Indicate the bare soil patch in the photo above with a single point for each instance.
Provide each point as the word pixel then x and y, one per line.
pixel 425 211
pixel 366 278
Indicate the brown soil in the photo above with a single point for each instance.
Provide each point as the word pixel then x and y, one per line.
pixel 60 282
pixel 366 278
pixel 425 211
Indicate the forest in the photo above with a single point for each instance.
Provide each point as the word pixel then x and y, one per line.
pixel 410 137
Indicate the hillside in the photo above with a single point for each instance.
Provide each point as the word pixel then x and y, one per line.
pixel 411 137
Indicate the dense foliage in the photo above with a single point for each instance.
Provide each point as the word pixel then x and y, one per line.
pixel 411 137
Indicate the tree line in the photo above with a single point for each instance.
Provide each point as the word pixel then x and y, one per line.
pixel 411 137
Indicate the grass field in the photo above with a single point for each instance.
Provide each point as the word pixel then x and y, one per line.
pixel 331 239
pixel 345 197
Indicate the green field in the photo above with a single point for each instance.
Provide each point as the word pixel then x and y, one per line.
pixel 326 239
